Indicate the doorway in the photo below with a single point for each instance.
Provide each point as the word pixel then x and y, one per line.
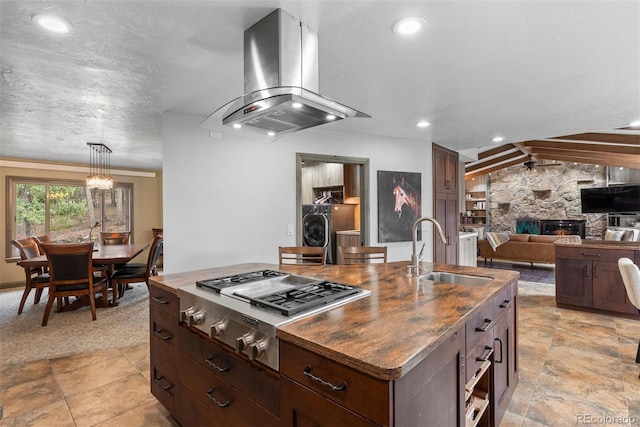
pixel 354 187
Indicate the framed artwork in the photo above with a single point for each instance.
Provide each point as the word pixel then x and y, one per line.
pixel 399 205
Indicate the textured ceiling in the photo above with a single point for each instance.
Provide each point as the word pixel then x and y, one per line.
pixel 523 70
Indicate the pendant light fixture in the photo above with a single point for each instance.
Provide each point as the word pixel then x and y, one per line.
pixel 99 167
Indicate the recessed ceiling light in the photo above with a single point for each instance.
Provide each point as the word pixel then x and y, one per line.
pixel 237 125
pixel 498 139
pixel 423 124
pixel 296 105
pixel 52 23
pixel 271 133
pixel 409 25
pixel 331 117
pixel 635 124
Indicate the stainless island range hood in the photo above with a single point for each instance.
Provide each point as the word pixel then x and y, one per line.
pixel 280 81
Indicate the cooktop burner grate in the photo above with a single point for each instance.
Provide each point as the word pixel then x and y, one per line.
pixel 220 283
pixel 304 298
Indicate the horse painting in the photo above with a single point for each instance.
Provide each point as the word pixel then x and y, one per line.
pixel 399 205
pixel 406 195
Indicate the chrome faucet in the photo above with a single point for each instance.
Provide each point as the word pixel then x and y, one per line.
pixel 415 257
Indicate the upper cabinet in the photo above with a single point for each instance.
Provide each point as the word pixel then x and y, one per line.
pixel 445 174
pixel 351 175
pixel 327 175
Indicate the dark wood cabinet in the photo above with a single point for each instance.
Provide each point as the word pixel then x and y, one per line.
pixel 588 278
pixel 505 367
pixel 432 393
pixel 446 204
pixel 163 345
pixel 445 170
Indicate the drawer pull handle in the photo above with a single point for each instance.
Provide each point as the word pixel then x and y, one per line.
pixel 486 354
pixel 160 300
pixel 485 325
pixel 341 387
pixel 210 362
pixel 505 304
pixel 158 333
pixel 500 341
pixel 166 386
pixel 590 254
pixel 209 394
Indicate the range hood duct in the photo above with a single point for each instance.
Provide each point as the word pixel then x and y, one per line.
pixel 280 81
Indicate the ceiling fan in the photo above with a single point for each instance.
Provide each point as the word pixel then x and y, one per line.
pixel 531 163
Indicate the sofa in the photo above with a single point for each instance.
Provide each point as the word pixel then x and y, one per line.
pixel 524 247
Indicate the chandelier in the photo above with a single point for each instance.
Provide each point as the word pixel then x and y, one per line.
pixel 99 167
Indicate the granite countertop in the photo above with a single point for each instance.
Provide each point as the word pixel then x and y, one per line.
pixel 601 244
pixel 386 333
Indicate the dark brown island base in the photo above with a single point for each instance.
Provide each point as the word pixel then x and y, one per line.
pixel 588 277
pixel 412 353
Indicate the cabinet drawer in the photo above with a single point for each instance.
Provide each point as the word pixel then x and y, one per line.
pixel 164 382
pixel 164 300
pixel 220 398
pixel 260 384
pixel 478 355
pixel 194 412
pixel 359 392
pixel 303 407
pixel 164 334
pixel 594 254
pixel 503 302
pixel 482 322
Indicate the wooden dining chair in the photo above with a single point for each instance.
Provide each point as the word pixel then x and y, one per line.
pixel 135 274
pixel 44 238
pixel 71 270
pixel 115 238
pixel 362 254
pixel 35 278
pixel 316 255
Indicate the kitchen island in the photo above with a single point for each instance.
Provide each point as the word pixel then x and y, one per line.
pixel 413 352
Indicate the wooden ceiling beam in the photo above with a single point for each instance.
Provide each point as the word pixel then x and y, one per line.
pixel 490 169
pixel 583 154
pixel 627 161
pixel 578 146
pixel 617 138
pixel 490 162
pixel 495 151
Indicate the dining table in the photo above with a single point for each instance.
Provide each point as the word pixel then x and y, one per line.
pixel 103 256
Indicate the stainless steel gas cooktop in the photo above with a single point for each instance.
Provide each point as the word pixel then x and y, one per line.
pixel 244 310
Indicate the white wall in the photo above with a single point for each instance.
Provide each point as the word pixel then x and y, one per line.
pixel 228 200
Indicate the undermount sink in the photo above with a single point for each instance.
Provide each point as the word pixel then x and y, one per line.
pixel 454 278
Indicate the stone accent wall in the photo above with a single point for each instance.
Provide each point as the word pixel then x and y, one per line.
pixel 551 192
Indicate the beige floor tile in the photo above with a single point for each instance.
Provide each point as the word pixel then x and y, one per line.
pixel 71 363
pixel 26 397
pixel 13 375
pixel 110 400
pixel 89 377
pixel 138 356
pixel 55 414
pixel 149 414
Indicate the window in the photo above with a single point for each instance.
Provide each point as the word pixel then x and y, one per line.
pixel 65 210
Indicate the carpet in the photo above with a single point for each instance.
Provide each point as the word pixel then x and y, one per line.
pixel 24 339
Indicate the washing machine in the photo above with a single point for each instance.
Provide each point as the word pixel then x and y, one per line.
pixel 320 223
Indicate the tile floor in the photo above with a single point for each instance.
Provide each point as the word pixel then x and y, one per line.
pixel 575 368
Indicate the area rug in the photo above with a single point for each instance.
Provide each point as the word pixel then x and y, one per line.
pixel 24 339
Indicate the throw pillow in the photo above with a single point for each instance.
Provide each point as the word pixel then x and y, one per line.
pixel 613 235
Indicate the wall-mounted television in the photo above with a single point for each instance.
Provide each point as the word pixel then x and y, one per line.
pixel 618 198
